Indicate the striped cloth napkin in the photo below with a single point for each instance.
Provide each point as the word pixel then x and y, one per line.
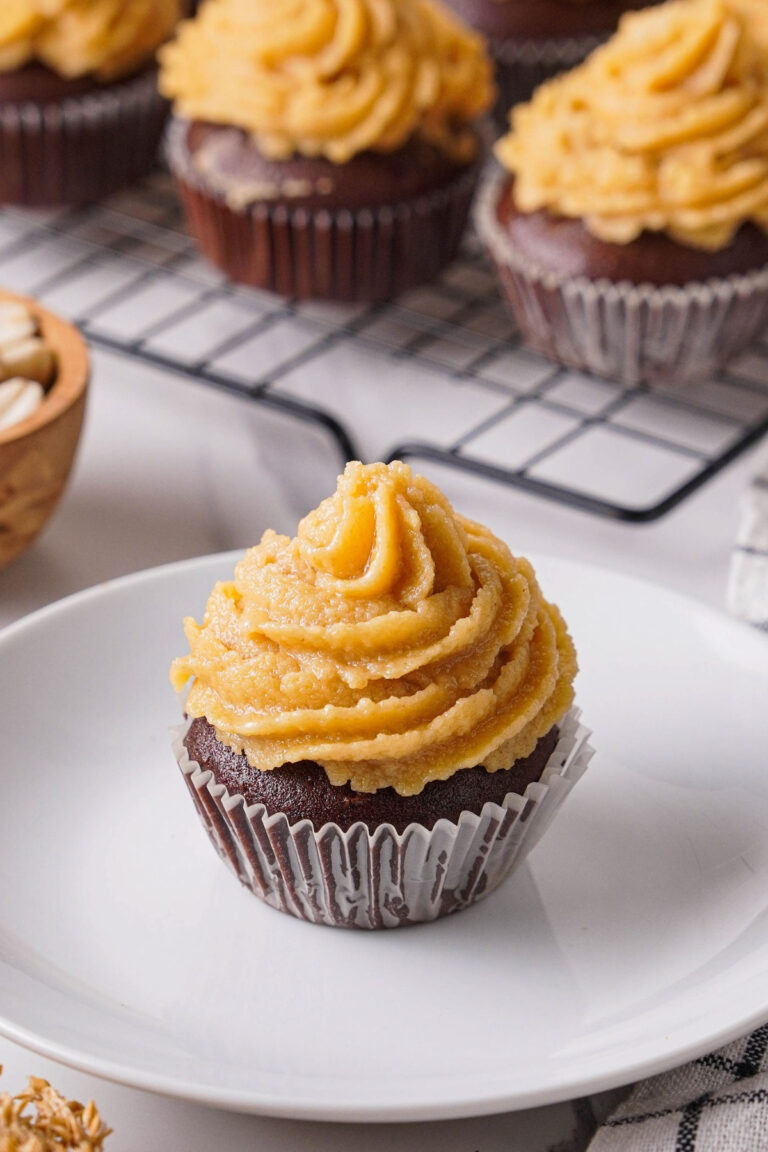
pixel 720 1102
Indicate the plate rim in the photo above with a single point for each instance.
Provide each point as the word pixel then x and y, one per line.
pixel 309 1108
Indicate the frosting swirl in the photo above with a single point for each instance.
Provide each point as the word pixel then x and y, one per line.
pixel 330 77
pixel 755 14
pixel 392 641
pixel 103 38
pixel 664 128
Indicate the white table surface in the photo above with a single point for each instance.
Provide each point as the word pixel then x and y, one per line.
pixel 167 470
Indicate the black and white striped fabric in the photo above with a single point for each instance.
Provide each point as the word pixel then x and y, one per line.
pixel 720 1102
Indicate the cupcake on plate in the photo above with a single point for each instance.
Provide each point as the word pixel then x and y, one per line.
pixel 80 114
pixel 630 228
pixel 532 40
pixel 323 148
pixel 380 721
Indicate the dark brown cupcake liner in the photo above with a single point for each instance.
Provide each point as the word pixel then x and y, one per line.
pixel 366 254
pixel 83 148
pixel 522 65
pixel 382 879
pixel 630 333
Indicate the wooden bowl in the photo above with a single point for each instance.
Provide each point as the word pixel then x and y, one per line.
pixel 36 454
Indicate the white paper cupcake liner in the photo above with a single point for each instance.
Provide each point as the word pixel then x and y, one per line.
pixel 81 148
pixel 382 879
pixel 631 333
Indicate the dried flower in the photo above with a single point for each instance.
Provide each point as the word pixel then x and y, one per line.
pixel 55 1125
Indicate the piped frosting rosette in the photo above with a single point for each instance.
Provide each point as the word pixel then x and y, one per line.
pixel 665 128
pixel 103 38
pixel 392 641
pixel 395 643
pixel 330 77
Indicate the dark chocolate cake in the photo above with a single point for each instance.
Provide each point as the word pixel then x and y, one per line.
pixel 566 246
pixel 366 180
pixel 303 791
pixel 544 19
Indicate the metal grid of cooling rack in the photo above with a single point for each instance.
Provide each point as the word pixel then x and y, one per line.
pixel 438 374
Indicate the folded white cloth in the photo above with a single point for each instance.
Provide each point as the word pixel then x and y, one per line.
pixel 720 1102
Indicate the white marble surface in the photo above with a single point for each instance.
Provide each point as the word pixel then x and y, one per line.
pixel 168 470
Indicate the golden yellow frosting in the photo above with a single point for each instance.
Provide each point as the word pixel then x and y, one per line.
pixel 755 14
pixel 392 641
pixel 330 77
pixel 664 128
pixel 103 38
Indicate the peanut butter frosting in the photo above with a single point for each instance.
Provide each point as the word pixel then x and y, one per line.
pixel 106 39
pixel 664 128
pixel 392 641
pixel 755 14
pixel 330 77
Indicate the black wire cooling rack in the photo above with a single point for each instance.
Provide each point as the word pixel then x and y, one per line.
pixel 439 374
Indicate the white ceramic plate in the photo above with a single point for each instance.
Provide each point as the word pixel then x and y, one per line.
pixel 636 937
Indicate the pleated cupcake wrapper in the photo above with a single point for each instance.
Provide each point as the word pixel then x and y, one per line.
pixel 382 879
pixel 632 334
pixel 366 254
pixel 522 65
pixel 82 148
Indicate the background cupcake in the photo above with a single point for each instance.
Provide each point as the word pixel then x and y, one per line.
pixel 381 709
pixel 532 41
pixel 630 232
pixel 80 114
pixel 324 149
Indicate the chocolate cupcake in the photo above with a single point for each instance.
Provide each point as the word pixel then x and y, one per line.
pixel 80 113
pixel 333 156
pixel 630 229
pixel 380 720
pixel 531 42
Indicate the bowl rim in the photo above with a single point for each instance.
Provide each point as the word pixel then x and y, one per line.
pixel 73 369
